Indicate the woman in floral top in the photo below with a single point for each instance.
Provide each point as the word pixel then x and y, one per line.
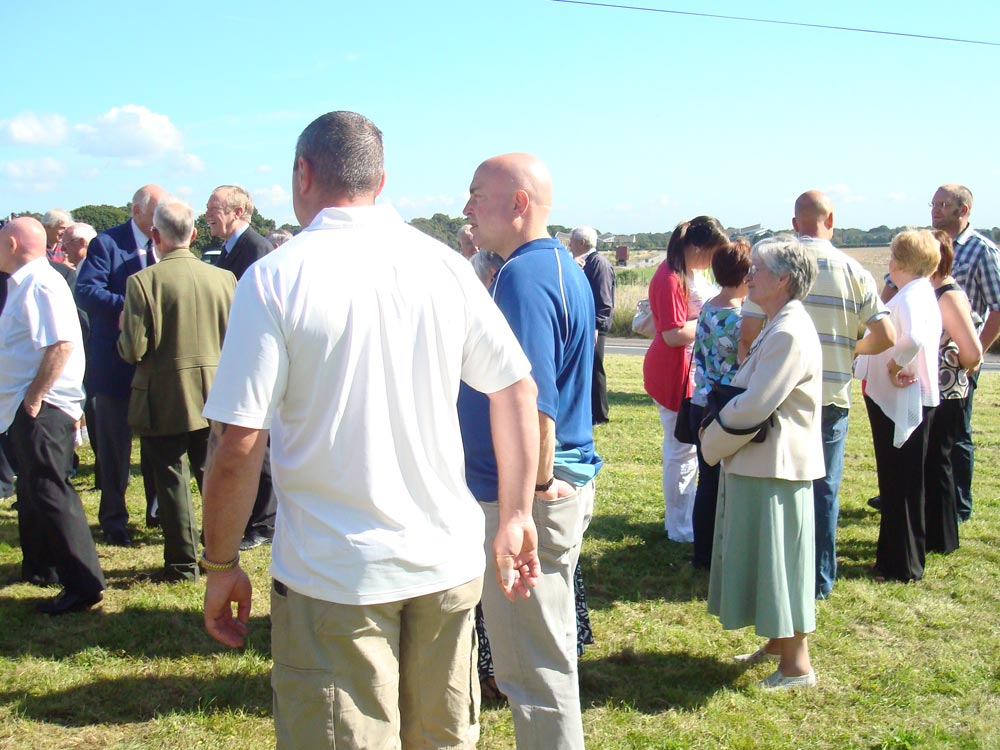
pixel 715 346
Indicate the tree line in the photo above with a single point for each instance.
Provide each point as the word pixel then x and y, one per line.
pixel 444 228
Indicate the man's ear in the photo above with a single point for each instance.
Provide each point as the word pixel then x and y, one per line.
pixel 304 175
pixel 154 234
pixel 521 202
pixel 381 185
pixel 194 233
pixel 828 222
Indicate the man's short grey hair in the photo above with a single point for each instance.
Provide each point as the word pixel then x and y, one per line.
pixel 587 235
pixel 279 237
pixel 79 231
pixel 56 216
pixel 174 219
pixel 344 150
pixel 463 231
pixel 486 264
pixel 784 255
pixel 233 197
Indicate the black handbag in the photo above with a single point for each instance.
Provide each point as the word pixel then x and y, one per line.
pixel 683 432
pixel 718 397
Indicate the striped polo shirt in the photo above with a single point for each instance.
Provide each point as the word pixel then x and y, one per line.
pixel 843 301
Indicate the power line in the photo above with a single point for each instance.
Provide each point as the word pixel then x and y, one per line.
pixel 780 23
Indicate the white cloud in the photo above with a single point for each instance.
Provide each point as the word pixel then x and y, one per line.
pixel 273 197
pixel 664 200
pixel 184 191
pixel 35 130
pixel 264 169
pixel 352 57
pixel 896 197
pixel 33 170
pixel 137 136
pixel 843 194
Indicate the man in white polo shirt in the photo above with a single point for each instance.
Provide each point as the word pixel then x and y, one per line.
pixel 377 558
pixel 41 397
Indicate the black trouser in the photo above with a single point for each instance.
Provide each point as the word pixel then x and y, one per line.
pixel 265 506
pixel 902 544
pixel 7 469
pixel 52 526
pixel 173 459
pixel 705 501
pixel 599 387
pixel 114 445
pixel 941 499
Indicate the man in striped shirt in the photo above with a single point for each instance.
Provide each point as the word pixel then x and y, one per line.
pixel 843 303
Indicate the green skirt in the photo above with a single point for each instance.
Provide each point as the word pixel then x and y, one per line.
pixel 763 559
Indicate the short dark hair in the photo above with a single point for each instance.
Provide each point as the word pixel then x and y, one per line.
pixel 947 252
pixel 344 150
pixel 731 263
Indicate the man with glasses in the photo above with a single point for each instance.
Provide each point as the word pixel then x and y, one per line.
pixel 977 271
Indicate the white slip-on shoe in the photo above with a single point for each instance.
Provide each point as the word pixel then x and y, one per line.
pixel 778 681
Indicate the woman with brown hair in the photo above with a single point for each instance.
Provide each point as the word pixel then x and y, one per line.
pixel 676 294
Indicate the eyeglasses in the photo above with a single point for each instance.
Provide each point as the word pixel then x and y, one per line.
pixel 752 272
pixel 941 204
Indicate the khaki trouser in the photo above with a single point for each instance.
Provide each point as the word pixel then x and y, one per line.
pixel 400 674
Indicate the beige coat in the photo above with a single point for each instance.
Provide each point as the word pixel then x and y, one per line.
pixel 783 375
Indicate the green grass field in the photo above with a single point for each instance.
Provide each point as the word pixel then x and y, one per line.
pixel 899 666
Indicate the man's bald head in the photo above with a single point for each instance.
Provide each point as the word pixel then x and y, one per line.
pixel 510 199
pixel 144 205
pixel 22 240
pixel 814 215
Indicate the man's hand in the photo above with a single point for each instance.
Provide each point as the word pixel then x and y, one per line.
pixel 221 590
pixel 515 557
pixel 558 490
pixel 31 408
pixel 898 376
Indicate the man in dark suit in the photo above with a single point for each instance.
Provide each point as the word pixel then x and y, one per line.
pixel 174 371
pixel 228 214
pixel 601 275
pixel 112 257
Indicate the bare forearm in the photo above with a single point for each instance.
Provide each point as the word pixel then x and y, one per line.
pixel 53 363
pixel 991 329
pixel 232 472
pixel 680 336
pixel 514 426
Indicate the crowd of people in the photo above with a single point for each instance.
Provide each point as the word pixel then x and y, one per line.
pixel 414 433
pixel 759 391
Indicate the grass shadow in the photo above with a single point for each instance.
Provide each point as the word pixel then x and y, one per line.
pixel 621 398
pixel 140 699
pixel 683 681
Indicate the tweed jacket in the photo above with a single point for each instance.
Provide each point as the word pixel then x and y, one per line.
pixel 172 328
pixel 783 376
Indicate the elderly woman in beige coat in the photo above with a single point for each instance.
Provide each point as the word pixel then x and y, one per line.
pixel 763 571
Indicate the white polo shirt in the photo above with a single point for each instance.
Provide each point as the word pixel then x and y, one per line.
pixel 348 342
pixel 39 312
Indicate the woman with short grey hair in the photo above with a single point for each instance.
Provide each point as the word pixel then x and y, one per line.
pixel 769 442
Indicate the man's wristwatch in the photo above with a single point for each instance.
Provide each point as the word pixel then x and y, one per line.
pixel 545 487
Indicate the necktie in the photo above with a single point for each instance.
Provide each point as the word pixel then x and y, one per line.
pixel 150 256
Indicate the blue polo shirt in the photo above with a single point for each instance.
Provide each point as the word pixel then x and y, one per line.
pixel 547 301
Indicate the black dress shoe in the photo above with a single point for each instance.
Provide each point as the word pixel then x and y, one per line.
pixel 253 540
pixel 119 538
pixel 152 522
pixel 875 502
pixel 42 579
pixel 69 601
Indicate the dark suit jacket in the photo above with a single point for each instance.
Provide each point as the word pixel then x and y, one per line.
pixel 173 325
pixel 249 248
pixel 601 275
pixel 100 292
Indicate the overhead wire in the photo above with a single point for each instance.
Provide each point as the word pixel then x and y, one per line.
pixel 780 23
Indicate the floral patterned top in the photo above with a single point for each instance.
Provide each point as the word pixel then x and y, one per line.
pixel 715 348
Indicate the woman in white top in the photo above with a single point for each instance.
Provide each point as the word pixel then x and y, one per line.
pixel 900 395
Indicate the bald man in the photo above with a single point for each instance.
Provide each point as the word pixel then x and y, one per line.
pixel 977 271
pixel 547 301
pixel 844 304
pixel 112 257
pixel 41 393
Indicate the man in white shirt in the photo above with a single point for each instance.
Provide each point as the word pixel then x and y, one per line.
pixel 355 374
pixel 41 393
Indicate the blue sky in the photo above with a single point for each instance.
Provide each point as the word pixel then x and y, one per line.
pixel 645 119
